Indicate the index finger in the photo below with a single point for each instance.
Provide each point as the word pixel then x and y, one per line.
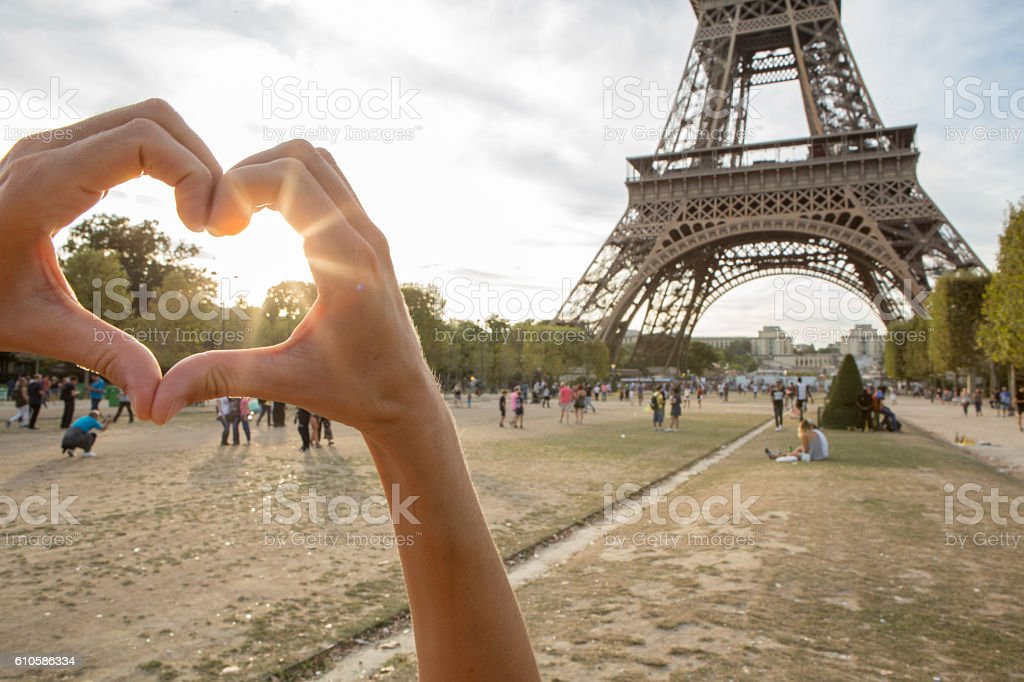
pixel 155 109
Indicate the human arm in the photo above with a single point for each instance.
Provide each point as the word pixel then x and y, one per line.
pixel 359 338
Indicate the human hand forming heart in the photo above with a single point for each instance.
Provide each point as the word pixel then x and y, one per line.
pixel 355 357
pixel 357 340
pixel 44 185
pixel 359 319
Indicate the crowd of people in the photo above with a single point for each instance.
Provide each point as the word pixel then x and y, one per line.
pixel 31 394
pixel 237 416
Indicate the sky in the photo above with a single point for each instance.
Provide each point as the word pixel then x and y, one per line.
pixel 479 135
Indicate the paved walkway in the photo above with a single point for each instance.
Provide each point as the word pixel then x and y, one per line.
pixel 945 421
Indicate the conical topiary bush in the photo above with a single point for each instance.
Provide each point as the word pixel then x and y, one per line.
pixel 841 410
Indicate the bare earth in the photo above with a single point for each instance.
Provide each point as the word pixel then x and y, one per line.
pixel 169 572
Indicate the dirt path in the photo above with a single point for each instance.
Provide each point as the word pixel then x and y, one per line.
pixel 997 440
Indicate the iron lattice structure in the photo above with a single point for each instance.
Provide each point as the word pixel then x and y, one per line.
pixel 711 210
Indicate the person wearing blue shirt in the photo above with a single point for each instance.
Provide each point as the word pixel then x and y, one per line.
pixel 79 434
pixel 96 392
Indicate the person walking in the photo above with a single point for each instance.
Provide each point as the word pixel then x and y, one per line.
pixel 978 398
pixel 801 397
pixel 565 400
pixel 68 394
pixel 20 394
pixel 325 424
pixel 676 406
pixel 36 390
pixel 302 416
pixel 244 415
pixel 778 403
pixel 580 403
pixel 96 388
pixel 1020 405
pixel 124 401
pixel 228 410
pixel 501 407
pixel 263 412
pixel 520 408
pixel 314 430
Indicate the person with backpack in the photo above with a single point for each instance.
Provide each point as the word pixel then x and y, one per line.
pixel 20 395
pixel 36 390
pixel 658 407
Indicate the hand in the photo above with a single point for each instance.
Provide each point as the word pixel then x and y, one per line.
pixel 45 186
pixel 355 356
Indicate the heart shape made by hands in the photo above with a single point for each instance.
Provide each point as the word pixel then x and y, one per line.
pixel 356 339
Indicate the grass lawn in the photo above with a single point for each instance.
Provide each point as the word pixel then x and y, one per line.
pixel 849 576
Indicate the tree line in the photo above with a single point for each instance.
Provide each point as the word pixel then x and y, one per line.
pixel 976 323
pixel 137 279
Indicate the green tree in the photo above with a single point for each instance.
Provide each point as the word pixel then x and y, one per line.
pixel 146 254
pixel 955 310
pixel 702 357
pixel 906 349
pixel 1002 330
pixel 841 409
pixel 283 308
pixel 426 308
pixel 87 267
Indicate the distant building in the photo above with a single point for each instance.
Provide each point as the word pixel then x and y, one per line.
pixel 863 341
pixel 867 346
pixel 771 342
pixel 720 342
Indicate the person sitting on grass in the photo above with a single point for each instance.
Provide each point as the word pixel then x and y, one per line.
pixel 813 446
pixel 78 434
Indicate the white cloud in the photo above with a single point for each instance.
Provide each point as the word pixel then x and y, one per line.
pixel 509 155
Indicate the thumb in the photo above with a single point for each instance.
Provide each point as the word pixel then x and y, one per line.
pixel 88 341
pixel 256 371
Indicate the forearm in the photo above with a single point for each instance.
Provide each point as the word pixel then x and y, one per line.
pixel 466 619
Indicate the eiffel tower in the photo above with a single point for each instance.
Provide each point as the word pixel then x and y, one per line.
pixel 712 210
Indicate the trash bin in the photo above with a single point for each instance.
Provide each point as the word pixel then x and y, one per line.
pixel 3 393
pixel 278 414
pixel 113 395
